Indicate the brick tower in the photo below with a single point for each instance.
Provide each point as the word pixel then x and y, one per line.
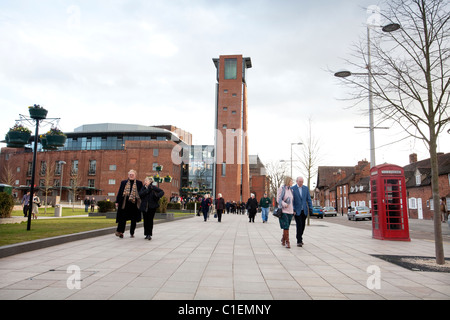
pixel 231 143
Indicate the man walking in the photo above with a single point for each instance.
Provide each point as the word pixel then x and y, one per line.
pixel 264 203
pixel 302 206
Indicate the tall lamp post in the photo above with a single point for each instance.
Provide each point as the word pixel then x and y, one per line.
pixel 61 164
pixel 344 74
pixel 37 114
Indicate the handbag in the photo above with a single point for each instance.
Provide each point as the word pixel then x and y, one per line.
pixel 277 212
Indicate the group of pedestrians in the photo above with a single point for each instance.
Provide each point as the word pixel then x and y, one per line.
pixel 89 203
pixel 36 203
pixel 133 198
pixel 295 201
pixel 220 206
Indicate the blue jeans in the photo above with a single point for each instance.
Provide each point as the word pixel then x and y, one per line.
pixel 264 213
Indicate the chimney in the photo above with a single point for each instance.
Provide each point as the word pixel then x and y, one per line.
pixel 413 158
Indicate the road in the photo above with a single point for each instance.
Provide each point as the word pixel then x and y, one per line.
pixel 418 229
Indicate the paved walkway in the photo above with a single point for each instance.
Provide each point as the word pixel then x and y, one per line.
pixel 235 260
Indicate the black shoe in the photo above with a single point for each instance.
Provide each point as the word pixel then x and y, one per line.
pixel 300 244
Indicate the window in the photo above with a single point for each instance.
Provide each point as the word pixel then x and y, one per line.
pixel 155 152
pixel 418 180
pixel 74 167
pixel 224 126
pixel 92 167
pixel 91 183
pixel 58 167
pixel 230 69
pixel 112 167
pixel 225 108
pixel 43 168
pixel 233 112
pixel 412 203
pixel 224 169
pixel 112 181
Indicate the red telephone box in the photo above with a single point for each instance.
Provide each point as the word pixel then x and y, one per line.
pixel 389 211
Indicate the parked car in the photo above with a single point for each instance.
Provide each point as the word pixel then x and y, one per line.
pixel 329 211
pixel 317 212
pixel 359 212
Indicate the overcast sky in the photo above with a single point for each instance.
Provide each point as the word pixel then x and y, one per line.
pixel 149 62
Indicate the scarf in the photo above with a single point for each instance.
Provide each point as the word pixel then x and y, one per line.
pixel 130 191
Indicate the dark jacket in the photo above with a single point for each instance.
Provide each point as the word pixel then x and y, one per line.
pixel 150 197
pixel 220 204
pixel 252 205
pixel 206 203
pixel 131 211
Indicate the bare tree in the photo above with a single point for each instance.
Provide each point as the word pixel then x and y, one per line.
pixel 48 181
pixel 310 156
pixel 75 184
pixel 276 172
pixel 410 77
pixel 8 174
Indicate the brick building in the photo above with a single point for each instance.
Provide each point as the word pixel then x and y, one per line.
pixel 341 187
pixel 418 185
pixel 231 141
pixel 95 159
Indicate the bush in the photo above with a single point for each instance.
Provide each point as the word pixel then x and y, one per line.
pixel 191 205
pixel 174 205
pixel 106 206
pixel 6 205
pixel 162 205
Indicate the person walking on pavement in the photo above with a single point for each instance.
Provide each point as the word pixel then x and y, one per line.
pixel 36 205
pixel 93 202
pixel 150 196
pixel 87 203
pixel 128 204
pixel 252 206
pixel 26 203
pixel 220 207
pixel 205 205
pixel 285 201
pixel 264 203
pixel 302 206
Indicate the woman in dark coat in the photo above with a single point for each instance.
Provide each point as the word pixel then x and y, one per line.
pixel 205 204
pixel 220 207
pixel 252 206
pixel 150 196
pixel 128 203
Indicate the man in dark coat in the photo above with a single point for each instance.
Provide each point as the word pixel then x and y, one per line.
pixel 128 203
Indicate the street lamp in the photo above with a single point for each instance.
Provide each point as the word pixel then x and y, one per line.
pixel 344 74
pixel 61 164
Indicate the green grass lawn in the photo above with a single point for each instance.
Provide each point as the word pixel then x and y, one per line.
pixel 11 233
